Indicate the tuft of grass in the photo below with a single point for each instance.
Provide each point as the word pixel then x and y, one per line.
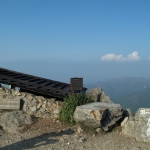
pixel 69 106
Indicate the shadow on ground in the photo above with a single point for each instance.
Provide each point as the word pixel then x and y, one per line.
pixel 44 139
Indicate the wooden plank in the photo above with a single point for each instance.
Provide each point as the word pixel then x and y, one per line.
pixel 39 85
pixel 10 103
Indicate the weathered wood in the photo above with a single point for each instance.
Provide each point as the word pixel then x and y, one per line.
pixel 39 85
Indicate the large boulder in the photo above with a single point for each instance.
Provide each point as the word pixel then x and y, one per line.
pixel 140 128
pixel 98 95
pixel 12 122
pixel 128 127
pixel 104 115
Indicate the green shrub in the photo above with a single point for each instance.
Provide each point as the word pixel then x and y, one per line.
pixel 69 106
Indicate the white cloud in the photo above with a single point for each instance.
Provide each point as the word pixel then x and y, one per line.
pixel 112 57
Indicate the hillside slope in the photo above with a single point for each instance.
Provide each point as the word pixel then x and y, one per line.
pixel 138 100
pixel 123 86
pixel 131 92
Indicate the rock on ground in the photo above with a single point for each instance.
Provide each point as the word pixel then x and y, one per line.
pixel 127 113
pixel 140 127
pixel 12 122
pixel 104 115
pixel 98 95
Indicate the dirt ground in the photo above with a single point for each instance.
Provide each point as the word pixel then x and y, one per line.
pixel 51 134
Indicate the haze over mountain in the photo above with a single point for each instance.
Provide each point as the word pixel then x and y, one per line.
pixel 130 92
pixel 137 100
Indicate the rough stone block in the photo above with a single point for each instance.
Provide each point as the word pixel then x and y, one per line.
pixel 129 128
pixel 140 128
pixel 13 121
pixel 104 115
pixel 98 95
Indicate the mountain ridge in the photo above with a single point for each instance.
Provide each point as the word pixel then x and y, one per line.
pixel 126 90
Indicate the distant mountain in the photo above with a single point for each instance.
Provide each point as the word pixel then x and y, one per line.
pixel 137 100
pixel 128 91
pixel 123 86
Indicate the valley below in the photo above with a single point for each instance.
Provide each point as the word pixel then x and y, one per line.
pixel 130 92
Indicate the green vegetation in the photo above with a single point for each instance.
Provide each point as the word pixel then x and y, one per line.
pixel 69 106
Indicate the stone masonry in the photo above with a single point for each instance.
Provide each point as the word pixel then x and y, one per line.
pixel 31 104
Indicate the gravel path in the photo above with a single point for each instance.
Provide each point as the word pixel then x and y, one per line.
pixel 51 134
pixel 68 139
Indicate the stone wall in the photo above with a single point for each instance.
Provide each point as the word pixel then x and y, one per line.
pixel 38 106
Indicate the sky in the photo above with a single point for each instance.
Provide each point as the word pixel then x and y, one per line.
pixel 61 39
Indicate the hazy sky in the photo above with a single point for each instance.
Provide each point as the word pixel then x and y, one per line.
pixel 60 39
